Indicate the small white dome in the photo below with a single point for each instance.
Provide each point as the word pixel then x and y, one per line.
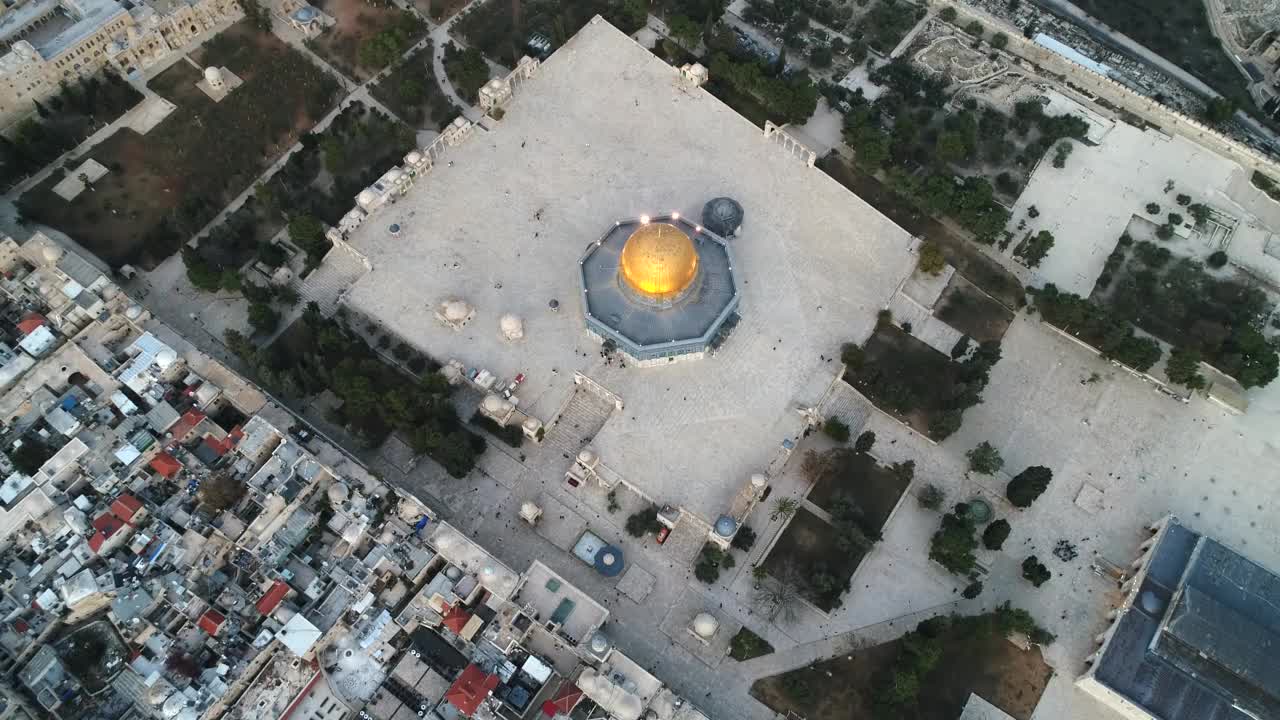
pixel 394 174
pixel 338 493
pixel 365 197
pixel 705 625
pixel 387 537
pixel 51 253
pixel 587 457
pixel 758 481
pixel 166 358
pixel 456 310
pixel 495 405
pixel 512 327
pixel 409 510
pixel 529 509
pixel 213 76
pixel 133 312
pixel 413 158
pixel 531 424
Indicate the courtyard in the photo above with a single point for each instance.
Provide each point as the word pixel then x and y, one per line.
pixel 689 433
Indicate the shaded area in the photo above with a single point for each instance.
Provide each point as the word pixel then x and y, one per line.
pixel 968 309
pixel 167 185
pixel 967 259
pixel 975 657
pixel 365 37
pixel 411 92
pixel 858 478
pixel 62 122
pixel 905 377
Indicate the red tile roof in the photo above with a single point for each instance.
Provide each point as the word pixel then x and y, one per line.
pixel 107 524
pixel 166 464
pixel 190 419
pixel 456 618
pixel 564 701
pixel 269 602
pixel 211 621
pixel 220 447
pixel 125 507
pixel 97 541
pixel 470 689
pixel 29 323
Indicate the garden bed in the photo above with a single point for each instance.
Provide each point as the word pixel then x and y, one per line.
pixel 411 92
pixel 491 27
pixel 973 660
pixel 807 548
pixel 905 377
pixel 166 186
pixel 747 645
pixel 858 478
pixel 365 37
pixel 971 311
pixel 967 259
pixel 1180 302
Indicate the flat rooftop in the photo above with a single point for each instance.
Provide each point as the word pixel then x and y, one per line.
pixel 604 130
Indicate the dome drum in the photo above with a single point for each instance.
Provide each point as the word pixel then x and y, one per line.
pixel 659 289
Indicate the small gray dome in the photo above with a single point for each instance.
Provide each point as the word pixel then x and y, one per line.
pixel 726 526
pixel 722 216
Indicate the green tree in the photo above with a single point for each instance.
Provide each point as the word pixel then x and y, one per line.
pixel 820 56
pixel 684 31
pixel 1034 571
pixel 784 508
pixel 948 14
pixel 1219 110
pixel 1183 368
pixel 1000 41
pixel 985 458
pixel 932 260
pixel 643 521
pixel 953 544
pixel 1028 485
pixel 953 147
pixel 995 534
pixel 262 317
pixel 307 233
pixel 865 442
pixel 974 28
pixel 836 429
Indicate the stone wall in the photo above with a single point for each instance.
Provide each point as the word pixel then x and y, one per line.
pixel 1094 85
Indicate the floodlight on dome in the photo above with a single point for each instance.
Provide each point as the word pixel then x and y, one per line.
pixel 675 215
pixel 697 228
pixel 644 219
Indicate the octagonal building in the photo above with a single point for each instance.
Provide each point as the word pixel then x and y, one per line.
pixel 659 290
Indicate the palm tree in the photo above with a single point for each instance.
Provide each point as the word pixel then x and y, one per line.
pixel 778 596
pixel 784 508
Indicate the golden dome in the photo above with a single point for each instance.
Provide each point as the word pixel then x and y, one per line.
pixel 659 261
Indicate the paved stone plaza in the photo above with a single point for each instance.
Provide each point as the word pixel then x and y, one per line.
pixel 504 221
pixel 500 222
pixel 1089 203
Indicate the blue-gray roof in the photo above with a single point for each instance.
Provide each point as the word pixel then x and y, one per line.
pixel 1202 638
pixel 644 328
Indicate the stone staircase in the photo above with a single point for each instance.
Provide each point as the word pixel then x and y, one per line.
pixel 847 404
pixel 326 284
pixel 579 421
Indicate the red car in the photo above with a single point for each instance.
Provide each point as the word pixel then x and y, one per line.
pixel 663 533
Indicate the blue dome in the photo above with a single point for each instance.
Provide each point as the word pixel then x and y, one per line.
pixel 726 526
pixel 609 561
pixel 305 14
pixel 722 216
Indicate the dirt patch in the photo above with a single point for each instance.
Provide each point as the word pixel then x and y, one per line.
pixel 966 308
pixel 411 92
pixel 358 23
pixel 169 184
pixel 439 10
pixel 858 478
pixel 1010 678
pixel 808 547
pixel 967 259
pixel 905 377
